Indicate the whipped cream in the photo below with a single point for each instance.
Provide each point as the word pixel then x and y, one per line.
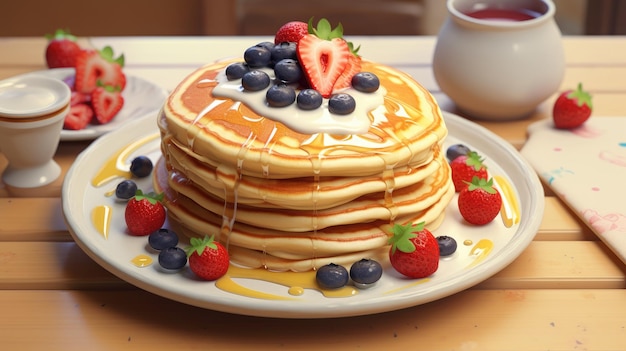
pixel 319 120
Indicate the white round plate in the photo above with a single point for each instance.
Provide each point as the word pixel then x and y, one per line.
pixel 140 97
pixel 467 267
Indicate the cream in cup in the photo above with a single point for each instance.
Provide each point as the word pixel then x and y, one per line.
pixel 32 110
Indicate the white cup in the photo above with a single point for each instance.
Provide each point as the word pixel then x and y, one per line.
pixel 499 69
pixel 32 110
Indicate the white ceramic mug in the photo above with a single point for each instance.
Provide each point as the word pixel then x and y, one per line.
pixel 32 110
pixel 499 59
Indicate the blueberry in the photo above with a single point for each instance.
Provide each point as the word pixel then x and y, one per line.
pixel 284 50
pixel 255 80
pixel 447 245
pixel 162 239
pixel 125 189
pixel 332 276
pixel 280 95
pixel 173 258
pixel 341 104
pixel 236 70
pixel 257 56
pixel 309 99
pixel 456 150
pixel 365 272
pixel 141 166
pixel 366 82
pixel 288 71
pixel 269 45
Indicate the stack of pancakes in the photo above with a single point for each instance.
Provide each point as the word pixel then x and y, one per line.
pixel 288 200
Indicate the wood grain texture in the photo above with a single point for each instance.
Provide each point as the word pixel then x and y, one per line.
pixel 486 320
pixel 566 291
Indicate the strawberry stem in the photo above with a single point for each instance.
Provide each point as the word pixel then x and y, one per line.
pixel 152 197
pixel 481 183
pixel 474 160
pixel 402 235
pixel 60 34
pixel 581 96
pixel 198 245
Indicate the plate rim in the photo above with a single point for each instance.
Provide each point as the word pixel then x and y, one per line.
pixel 524 234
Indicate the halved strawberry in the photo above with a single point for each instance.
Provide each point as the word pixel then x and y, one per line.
pixel 323 61
pixel 107 101
pixel 78 117
pixel 79 98
pixel 99 68
pixel 345 79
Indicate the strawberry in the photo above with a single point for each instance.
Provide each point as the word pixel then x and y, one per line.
pixel 78 117
pixel 144 213
pixel 62 49
pixel 353 67
pixel 291 32
pixel 479 203
pixel 465 167
pixel 324 56
pixel 106 101
pixel 208 259
pixel 414 250
pixel 79 98
pixel 99 68
pixel 572 108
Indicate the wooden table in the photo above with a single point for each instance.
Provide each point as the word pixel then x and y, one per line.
pixel 565 292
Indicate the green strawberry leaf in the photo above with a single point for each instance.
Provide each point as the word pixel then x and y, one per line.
pixel 581 96
pixel 107 54
pixel 474 160
pixel 325 31
pixel 402 235
pixel 198 245
pixel 481 183
pixel 151 197
pixel 61 34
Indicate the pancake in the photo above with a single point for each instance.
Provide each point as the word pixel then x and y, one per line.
pixel 230 134
pixel 374 206
pixel 295 193
pixel 286 196
pixel 256 247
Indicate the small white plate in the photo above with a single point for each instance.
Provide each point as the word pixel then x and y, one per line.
pixel 140 97
pixel 467 267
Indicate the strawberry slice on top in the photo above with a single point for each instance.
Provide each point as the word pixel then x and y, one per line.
pixel 353 67
pixel 324 56
pixel 99 68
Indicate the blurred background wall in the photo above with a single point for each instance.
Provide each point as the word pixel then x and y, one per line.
pixel 263 17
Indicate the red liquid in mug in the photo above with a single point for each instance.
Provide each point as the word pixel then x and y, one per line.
pixel 504 14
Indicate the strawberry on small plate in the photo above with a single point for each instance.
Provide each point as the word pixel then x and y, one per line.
pixel 140 97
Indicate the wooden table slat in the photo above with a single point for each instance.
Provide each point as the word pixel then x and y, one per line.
pixel 483 320
pixel 544 264
pixel 566 291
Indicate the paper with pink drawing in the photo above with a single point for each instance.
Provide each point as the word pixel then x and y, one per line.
pixel 586 168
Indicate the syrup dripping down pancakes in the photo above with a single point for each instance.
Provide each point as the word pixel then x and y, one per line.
pixel 292 200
